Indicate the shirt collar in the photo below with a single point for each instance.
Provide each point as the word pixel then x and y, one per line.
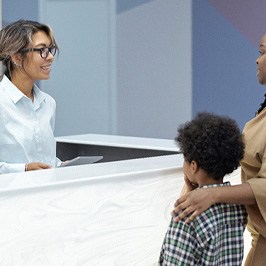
pixel 15 94
pixel 217 185
pixel 38 96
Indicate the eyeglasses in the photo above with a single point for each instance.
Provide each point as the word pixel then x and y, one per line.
pixel 44 52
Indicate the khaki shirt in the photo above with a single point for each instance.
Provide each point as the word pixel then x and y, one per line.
pixel 253 171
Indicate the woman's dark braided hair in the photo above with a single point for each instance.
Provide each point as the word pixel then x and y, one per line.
pixel 262 105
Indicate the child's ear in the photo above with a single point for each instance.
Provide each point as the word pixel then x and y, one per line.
pixel 194 166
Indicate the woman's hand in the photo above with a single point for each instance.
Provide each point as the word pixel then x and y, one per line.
pixel 192 204
pixel 36 166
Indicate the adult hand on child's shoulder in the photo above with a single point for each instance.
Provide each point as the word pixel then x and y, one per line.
pixel 192 203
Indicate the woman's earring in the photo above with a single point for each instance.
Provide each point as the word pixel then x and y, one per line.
pixel 17 65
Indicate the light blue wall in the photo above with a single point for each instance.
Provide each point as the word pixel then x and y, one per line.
pixel 154 71
pixel 18 9
pixel 83 77
pixel 224 67
pixel 126 5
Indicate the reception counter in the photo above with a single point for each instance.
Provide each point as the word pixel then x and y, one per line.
pixel 113 213
pixel 112 147
pixel 105 214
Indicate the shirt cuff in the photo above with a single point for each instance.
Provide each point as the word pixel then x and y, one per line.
pixel 16 167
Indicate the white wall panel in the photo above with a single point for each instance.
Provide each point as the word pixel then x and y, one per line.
pixel 154 59
pixel 83 80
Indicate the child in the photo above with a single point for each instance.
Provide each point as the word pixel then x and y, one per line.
pixel 212 146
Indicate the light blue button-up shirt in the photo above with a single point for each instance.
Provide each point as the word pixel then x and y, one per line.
pixel 26 128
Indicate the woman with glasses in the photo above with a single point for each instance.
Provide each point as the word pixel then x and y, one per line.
pixel 27 115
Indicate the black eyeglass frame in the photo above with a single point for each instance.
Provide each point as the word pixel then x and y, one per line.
pixel 43 51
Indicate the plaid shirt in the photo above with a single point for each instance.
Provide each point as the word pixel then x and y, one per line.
pixel 214 238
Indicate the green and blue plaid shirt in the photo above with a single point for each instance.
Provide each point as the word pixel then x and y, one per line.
pixel 214 238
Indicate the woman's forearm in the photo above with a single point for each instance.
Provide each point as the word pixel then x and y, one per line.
pixel 236 194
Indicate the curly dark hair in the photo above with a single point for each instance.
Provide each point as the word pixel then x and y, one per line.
pixel 214 142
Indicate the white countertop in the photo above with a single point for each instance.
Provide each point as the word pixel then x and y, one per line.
pixel 86 173
pixel 106 214
pixel 121 141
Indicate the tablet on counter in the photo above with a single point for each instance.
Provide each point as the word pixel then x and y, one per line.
pixel 81 160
